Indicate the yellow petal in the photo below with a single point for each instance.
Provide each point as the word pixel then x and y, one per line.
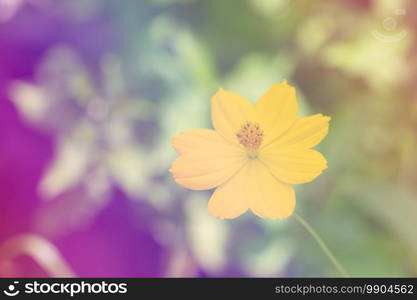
pixel 229 112
pixel 230 200
pixel 267 196
pixel 207 159
pixel 305 133
pixel 202 141
pixel 293 165
pixel 276 110
pixel 254 187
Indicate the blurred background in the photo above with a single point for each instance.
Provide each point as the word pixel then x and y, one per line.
pixel 91 93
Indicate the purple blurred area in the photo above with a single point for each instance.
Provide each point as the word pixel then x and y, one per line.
pixel 110 245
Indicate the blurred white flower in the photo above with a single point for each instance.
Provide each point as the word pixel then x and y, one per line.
pixel 95 124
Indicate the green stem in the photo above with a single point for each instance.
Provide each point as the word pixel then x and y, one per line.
pixel 322 245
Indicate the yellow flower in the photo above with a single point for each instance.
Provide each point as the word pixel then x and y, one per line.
pixel 253 155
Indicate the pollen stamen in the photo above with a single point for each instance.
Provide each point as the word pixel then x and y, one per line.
pixel 250 135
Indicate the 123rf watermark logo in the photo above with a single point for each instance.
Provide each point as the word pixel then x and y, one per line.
pixel 64 288
pixel 12 289
pixel 390 32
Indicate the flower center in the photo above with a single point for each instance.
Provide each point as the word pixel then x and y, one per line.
pixel 250 135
